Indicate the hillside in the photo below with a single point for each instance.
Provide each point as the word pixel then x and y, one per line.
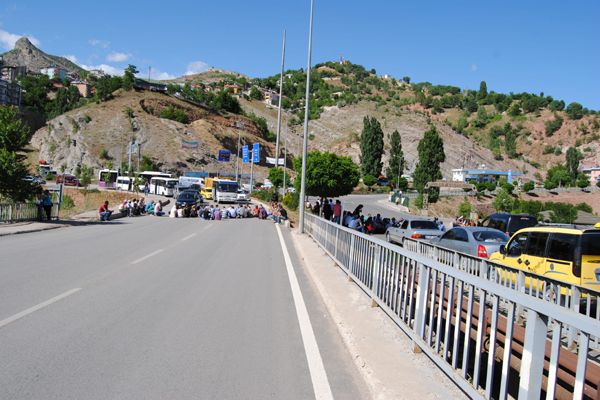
pixel 524 131
pixel 26 54
pixel 107 127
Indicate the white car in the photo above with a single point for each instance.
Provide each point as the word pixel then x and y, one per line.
pixel 243 196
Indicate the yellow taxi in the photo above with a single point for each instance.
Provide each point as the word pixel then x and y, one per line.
pixel 569 255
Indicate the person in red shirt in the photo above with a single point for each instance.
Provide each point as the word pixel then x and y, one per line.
pixel 337 211
pixel 104 212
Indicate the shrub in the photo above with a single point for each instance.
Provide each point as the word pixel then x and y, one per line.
pixel 175 114
pixel 67 202
pixel 465 208
pixel 528 186
pixel 291 200
pixel 553 125
pixel 369 180
pixel 419 201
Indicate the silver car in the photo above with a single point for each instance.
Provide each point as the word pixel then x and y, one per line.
pixel 473 240
pixel 413 228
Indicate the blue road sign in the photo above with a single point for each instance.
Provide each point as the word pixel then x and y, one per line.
pixel 224 155
pixel 245 154
pixel 256 153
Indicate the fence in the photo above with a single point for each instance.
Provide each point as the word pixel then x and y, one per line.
pixel 18 212
pixel 492 340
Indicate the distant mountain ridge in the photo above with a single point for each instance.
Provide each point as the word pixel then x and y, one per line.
pixel 27 54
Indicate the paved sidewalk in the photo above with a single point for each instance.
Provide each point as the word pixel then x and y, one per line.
pixel 381 351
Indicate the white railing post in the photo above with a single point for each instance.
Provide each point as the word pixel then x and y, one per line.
pixel 532 361
pixel 575 302
pixel 421 306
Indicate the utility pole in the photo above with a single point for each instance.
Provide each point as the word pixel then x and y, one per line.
pixel 279 108
pixel 306 110
pixel 149 71
pixel 252 170
pixel 285 156
pixel 237 155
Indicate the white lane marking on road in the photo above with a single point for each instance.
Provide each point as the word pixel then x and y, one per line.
pixel 188 237
pixel 35 308
pixel 315 362
pixel 147 256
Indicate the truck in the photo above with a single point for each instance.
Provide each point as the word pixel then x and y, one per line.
pixel 207 190
pixel 225 190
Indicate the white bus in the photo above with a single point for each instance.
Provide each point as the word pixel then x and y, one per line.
pixel 163 186
pixel 225 191
pixel 145 176
pixel 107 178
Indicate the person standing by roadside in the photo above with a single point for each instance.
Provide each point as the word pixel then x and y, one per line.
pixel 146 189
pixel 327 211
pixel 337 211
pixel 47 204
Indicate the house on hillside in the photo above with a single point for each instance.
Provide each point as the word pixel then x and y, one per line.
pixel 232 87
pixel 97 73
pixel 10 93
pixel 482 175
pixel 83 87
pixel 271 97
pixel 12 74
pixel 593 173
pixel 54 73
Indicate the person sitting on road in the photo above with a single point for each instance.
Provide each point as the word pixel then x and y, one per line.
pixel 149 209
pixel 158 210
pixel 356 224
pixel 179 212
pixel 104 212
pixel 173 212
pixel 357 211
pixel 232 213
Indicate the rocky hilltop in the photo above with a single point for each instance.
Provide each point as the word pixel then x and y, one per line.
pixel 26 54
pixel 97 135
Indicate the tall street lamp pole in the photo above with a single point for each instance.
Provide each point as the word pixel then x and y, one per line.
pixel 306 111
pixel 279 108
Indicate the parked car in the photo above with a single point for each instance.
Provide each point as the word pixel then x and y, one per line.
pixel 413 228
pixel 509 223
pixel 69 180
pixel 569 255
pixel 472 240
pixel 243 196
pixel 189 197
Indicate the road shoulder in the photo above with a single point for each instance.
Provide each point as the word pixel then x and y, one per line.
pixel 381 352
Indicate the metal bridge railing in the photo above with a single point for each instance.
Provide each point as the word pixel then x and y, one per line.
pixel 493 340
pixel 17 212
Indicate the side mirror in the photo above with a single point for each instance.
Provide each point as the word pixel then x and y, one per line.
pixel 502 249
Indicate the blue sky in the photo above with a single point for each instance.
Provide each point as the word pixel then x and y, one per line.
pixel 535 46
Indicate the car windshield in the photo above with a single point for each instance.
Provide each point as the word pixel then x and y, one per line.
pixel 520 222
pixel 590 244
pixel 423 224
pixel 186 196
pixel 171 184
pixel 490 236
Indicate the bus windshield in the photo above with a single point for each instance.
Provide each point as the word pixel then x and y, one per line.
pixel 229 187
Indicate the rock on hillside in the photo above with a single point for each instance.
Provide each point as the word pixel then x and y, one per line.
pixel 111 125
pixel 25 53
pixel 338 130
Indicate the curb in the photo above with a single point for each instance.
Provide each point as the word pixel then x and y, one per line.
pixel 31 230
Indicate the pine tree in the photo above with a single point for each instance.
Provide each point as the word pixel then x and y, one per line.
pixel 431 155
pixel 573 158
pixel 482 91
pixel 14 136
pixel 396 163
pixel 371 147
pixel 129 77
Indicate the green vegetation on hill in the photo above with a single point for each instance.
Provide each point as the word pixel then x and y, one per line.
pixel 494 120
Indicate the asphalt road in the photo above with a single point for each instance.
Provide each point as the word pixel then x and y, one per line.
pixel 157 308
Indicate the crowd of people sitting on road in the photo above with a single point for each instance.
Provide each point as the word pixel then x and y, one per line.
pixel 134 207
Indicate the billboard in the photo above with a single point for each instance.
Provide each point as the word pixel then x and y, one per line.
pixel 224 155
pixel 245 155
pixel 256 153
